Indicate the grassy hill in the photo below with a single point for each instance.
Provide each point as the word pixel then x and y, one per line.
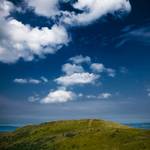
pixel 76 135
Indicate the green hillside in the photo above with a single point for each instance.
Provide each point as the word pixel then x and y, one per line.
pixel 76 135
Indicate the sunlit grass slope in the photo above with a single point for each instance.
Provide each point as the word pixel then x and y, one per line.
pixel 76 135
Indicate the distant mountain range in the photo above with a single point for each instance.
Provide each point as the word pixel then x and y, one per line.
pixel 139 125
pixel 8 128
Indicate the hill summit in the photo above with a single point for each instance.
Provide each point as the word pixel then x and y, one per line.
pixel 76 135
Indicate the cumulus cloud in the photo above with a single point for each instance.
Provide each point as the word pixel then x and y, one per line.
pixel 5 8
pixel 97 67
pixel 74 73
pixel 30 81
pixel 77 78
pixel 18 40
pixel 72 68
pixel 91 9
pixel 46 8
pixel 94 9
pixel 104 96
pixel 22 41
pixel 58 96
pixel 79 59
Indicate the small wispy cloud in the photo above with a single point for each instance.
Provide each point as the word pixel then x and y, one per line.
pixel 100 68
pixel 97 67
pixel 72 68
pixel 34 98
pixel 148 92
pixel 123 70
pixel 79 59
pixel 30 80
pixel 140 34
pixel 104 96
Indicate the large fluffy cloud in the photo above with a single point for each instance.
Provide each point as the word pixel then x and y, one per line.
pixel 94 9
pixel 58 96
pixel 18 40
pixel 23 41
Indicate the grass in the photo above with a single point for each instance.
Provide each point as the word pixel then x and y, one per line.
pixel 76 135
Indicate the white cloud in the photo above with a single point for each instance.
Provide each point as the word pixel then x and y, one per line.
pixel 34 98
pixel 34 81
pixel 91 96
pixel 80 95
pixel 46 8
pixel 30 81
pixel 104 96
pixel 77 78
pixel 100 96
pixel 18 40
pixel 21 81
pixel 148 92
pixel 72 68
pixel 111 72
pixel 27 81
pixel 5 8
pixel 44 79
pixel 94 9
pixel 97 67
pixel 140 35
pixel 23 41
pixel 123 70
pixel 58 96
pixel 79 59
pixel 76 75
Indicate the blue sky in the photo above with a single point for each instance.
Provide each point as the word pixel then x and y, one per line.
pixel 74 59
